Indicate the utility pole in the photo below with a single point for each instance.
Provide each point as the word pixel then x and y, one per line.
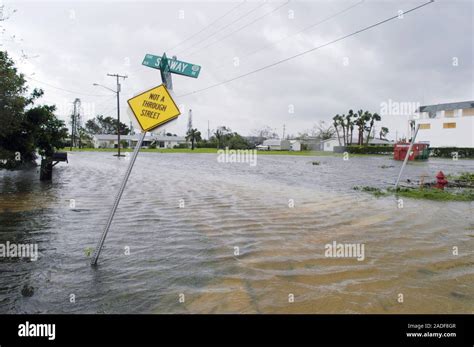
pixel 118 108
pixel 284 126
pixel 208 131
pixel 75 122
pixel 190 120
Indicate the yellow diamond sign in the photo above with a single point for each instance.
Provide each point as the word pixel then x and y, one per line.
pixel 153 108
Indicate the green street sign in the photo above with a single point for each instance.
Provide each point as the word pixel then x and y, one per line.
pixel 175 66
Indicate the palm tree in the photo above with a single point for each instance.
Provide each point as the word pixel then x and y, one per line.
pixel 360 122
pixel 383 133
pixel 373 117
pixel 194 135
pixel 351 115
pixel 337 119
pixel 219 134
pixel 343 126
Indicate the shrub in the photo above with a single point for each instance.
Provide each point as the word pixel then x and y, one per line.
pixel 356 149
pixel 448 152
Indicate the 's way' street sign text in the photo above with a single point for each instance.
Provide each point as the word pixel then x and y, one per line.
pixel 175 66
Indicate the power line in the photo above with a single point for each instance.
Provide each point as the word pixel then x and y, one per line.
pixel 224 27
pixel 209 25
pixel 311 26
pixel 66 90
pixel 242 27
pixel 308 51
pixel 108 112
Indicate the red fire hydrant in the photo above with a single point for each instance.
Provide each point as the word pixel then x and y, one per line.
pixel 441 181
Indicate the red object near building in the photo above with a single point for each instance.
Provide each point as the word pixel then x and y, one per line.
pixel 441 181
pixel 418 152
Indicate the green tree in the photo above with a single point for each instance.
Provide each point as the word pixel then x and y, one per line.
pixel 24 129
pixel 362 118
pixel 48 132
pixel 325 132
pixel 236 141
pixel 84 138
pixel 383 133
pixel 336 123
pixel 221 134
pixel 194 136
pixel 105 125
pixel 350 126
pixel 374 117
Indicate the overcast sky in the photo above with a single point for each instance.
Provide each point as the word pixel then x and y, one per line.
pixel 424 57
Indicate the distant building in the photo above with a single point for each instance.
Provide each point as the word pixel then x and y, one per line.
pixel 110 141
pixel 311 142
pixel 275 145
pixel 329 144
pixel 446 125
pixel 295 145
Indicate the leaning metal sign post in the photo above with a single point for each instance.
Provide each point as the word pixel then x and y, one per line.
pixel 152 109
pixel 407 156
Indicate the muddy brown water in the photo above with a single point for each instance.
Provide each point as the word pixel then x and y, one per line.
pixel 190 250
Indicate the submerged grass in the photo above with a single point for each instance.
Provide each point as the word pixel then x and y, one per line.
pixel 463 176
pixel 425 193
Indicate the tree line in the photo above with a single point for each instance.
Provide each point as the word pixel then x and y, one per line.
pixel 222 137
pixel 26 127
pixel 361 122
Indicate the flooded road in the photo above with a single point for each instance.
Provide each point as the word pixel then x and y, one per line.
pixel 234 238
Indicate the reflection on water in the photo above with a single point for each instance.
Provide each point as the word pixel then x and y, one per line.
pixel 230 207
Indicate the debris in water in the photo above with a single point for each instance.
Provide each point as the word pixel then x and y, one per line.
pixel 27 291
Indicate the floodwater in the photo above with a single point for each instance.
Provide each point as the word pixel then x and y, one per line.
pixel 156 250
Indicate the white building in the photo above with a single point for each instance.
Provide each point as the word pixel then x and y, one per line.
pixel 446 125
pixel 295 145
pixel 110 141
pixel 275 145
pixel 328 145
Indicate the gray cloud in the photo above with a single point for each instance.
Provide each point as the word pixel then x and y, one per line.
pixel 405 60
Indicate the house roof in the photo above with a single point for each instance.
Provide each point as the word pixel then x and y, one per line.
pixel 446 107
pixel 108 137
pixel 373 141
pixel 272 142
pixel 379 141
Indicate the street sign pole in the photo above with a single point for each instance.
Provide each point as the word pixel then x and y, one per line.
pixel 97 250
pixel 165 72
pixel 152 109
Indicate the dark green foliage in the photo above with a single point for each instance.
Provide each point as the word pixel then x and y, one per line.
pixel 24 129
pixel 448 152
pixel 105 125
pixel 194 136
pixel 355 149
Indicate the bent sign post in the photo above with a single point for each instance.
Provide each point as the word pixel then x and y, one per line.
pixel 152 109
